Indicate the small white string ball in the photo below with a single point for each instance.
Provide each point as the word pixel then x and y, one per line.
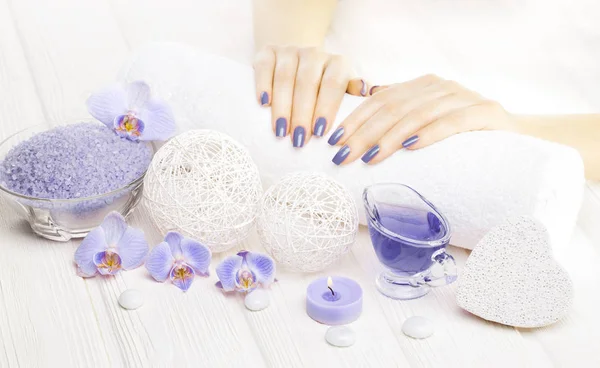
pixel 203 184
pixel 307 221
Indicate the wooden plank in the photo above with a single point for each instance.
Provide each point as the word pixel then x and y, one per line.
pixel 173 327
pixel 52 316
pixel 45 314
pixel 73 48
pixel 20 106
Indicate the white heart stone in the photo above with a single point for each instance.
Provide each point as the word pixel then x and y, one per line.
pixel 131 299
pixel 257 300
pixel 341 336
pixel 511 277
pixel 418 327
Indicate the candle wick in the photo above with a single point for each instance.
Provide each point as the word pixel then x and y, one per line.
pixel 332 293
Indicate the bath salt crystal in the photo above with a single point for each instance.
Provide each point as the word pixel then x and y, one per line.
pixel 73 161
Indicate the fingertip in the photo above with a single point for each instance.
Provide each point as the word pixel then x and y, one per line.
pixel 341 155
pixel 336 136
pixel 264 98
pixel 358 87
pixel 300 136
pixel 320 127
pixel 281 127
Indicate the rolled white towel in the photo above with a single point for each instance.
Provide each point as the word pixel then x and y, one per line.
pixel 476 179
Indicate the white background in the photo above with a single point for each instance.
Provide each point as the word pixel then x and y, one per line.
pixel 533 56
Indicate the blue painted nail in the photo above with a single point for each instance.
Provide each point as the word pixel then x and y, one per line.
pixel 363 89
pixel 320 126
pixel 299 134
pixel 410 141
pixel 264 98
pixel 371 90
pixel 335 137
pixel 281 127
pixel 341 155
pixel 372 152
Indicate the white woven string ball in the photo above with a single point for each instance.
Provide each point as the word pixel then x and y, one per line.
pixel 205 185
pixel 307 221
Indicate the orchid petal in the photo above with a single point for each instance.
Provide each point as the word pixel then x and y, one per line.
pixel 80 273
pixel 227 271
pixel 262 266
pixel 196 255
pixel 107 262
pixel 138 94
pixel 158 119
pixel 182 276
pixel 93 243
pixel 160 262
pixel 174 239
pixel 133 248
pixel 108 104
pixel 114 227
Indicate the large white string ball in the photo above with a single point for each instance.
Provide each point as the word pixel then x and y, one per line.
pixel 205 185
pixel 307 221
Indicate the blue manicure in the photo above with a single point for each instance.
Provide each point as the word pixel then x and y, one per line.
pixel 363 89
pixel 336 136
pixel 341 155
pixel 281 127
pixel 372 152
pixel 320 125
pixel 264 98
pixel 299 134
pixel 410 141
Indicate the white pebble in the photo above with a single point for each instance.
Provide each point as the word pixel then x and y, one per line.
pixel 257 300
pixel 417 327
pixel 341 336
pixel 131 299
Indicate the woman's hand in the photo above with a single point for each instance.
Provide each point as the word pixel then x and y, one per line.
pixel 413 115
pixel 304 87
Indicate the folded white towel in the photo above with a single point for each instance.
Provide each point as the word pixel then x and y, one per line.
pixel 476 179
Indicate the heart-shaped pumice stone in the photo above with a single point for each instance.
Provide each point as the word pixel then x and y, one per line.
pixel 511 278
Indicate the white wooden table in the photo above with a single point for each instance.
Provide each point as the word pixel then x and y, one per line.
pixel 52 55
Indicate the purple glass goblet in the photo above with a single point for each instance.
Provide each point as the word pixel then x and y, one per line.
pixel 409 236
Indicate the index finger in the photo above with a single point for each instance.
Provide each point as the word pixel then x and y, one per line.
pixel 264 67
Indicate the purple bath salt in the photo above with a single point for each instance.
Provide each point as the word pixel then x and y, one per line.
pixel 73 161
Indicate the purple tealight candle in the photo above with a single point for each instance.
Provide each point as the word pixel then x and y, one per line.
pixel 334 301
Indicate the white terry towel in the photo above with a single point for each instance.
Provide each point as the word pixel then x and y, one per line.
pixel 476 179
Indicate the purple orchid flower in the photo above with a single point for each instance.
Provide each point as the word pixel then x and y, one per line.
pixel 245 272
pixel 132 112
pixel 179 259
pixel 111 247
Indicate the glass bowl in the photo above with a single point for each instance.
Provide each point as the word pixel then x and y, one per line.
pixel 64 219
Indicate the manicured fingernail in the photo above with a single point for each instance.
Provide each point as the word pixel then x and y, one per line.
pixel 371 90
pixel 320 126
pixel 281 127
pixel 410 141
pixel 372 152
pixel 363 89
pixel 335 137
pixel 341 155
pixel 264 98
pixel 299 134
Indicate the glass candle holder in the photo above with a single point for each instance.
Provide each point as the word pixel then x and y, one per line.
pixel 409 236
